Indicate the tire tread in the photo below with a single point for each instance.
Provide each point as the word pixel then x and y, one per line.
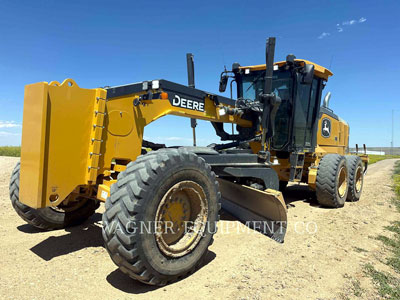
pixel 326 180
pixel 126 201
pixel 352 163
pixel 33 217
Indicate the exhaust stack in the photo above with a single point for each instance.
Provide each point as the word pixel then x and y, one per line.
pixel 190 71
pixel 326 100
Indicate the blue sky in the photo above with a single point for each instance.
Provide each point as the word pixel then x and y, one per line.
pixel 100 43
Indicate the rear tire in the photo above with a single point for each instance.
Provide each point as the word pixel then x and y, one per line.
pixel 332 181
pixel 137 199
pixel 356 177
pixel 48 218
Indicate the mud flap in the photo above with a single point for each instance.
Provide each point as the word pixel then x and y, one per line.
pixel 264 211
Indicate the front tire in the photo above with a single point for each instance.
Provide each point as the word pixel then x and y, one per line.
pixel 332 181
pixel 168 185
pixel 49 218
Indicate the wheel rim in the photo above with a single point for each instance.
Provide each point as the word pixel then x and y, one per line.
pixel 181 218
pixel 342 184
pixel 359 179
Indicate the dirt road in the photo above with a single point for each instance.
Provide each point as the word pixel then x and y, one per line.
pixel 324 252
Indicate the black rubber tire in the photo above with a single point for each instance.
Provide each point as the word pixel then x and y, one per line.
pixel 282 185
pixel 354 162
pixel 47 218
pixel 135 198
pixel 327 181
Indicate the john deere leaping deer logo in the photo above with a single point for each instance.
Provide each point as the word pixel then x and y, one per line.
pixel 326 128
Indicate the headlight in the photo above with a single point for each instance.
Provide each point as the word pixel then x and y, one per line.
pixel 155 84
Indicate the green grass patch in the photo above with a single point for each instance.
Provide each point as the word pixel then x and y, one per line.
pixel 10 151
pixel 360 250
pixel 375 158
pixel 396 178
pixel 388 285
pixel 356 288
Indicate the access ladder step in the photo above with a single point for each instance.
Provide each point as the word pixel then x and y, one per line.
pixel 296 166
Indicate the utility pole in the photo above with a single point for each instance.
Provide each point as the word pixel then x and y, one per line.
pixel 392 142
pixel 392 131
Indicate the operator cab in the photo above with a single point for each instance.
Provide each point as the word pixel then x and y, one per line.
pixel 299 84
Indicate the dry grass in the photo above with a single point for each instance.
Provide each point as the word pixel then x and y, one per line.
pixel 10 151
pixel 388 285
pixel 375 158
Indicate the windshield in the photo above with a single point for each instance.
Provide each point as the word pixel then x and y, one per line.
pixel 253 84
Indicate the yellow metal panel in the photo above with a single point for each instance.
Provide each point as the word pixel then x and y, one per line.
pixel 312 177
pixel 319 71
pixel 119 168
pixel 119 123
pixel 96 131
pixel 324 149
pixel 103 192
pixel 70 125
pixel 337 142
pixel 128 146
pixel 33 144
pixel 57 127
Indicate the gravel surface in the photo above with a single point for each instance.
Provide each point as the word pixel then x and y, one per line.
pixel 323 254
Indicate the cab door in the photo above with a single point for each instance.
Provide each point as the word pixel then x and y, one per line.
pixel 305 115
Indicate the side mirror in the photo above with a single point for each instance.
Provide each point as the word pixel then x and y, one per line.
pixel 308 74
pixel 223 82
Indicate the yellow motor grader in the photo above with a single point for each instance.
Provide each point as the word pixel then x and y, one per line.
pixel 81 147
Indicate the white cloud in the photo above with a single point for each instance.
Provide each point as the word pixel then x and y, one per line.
pixel 339 27
pixel 11 137
pixel 324 35
pixel 5 133
pixel 352 22
pixel 9 124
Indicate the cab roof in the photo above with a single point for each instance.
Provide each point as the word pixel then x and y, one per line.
pixel 319 71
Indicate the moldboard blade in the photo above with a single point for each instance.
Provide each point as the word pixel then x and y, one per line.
pixel 264 211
